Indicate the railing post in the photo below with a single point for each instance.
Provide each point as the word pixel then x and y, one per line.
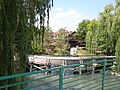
pixel 31 67
pixel 103 74
pixel 61 79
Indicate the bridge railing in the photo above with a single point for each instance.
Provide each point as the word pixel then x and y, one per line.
pixel 84 76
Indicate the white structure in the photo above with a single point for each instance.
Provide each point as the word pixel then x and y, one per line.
pixel 73 50
pixel 68 60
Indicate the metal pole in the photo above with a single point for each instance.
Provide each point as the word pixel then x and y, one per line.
pixel 103 74
pixel 61 79
pixel 31 66
pixel 80 62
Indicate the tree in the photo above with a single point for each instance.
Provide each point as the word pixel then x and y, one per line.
pixel 61 45
pixel 91 36
pixel 48 41
pixel 17 18
pixel 117 53
pixel 106 21
pixel 103 34
pixel 82 29
pixel 116 31
pixel 8 25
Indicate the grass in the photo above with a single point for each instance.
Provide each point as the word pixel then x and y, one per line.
pixel 82 52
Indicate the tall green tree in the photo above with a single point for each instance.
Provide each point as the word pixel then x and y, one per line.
pixel 116 31
pixel 106 21
pixel 8 25
pixel 82 29
pixel 91 36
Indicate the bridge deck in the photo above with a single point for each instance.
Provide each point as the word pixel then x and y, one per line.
pixel 57 60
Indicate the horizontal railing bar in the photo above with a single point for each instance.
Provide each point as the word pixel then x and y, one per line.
pixel 34 86
pixel 67 77
pixel 112 88
pixel 57 68
pixel 78 76
pixel 73 65
pixel 51 87
pixel 112 84
pixel 106 82
pixel 79 83
pixel 110 80
pixel 53 80
pixel 46 70
pixel 95 87
pixel 87 71
pixel 116 88
pixel 78 80
pixel 28 73
pixel 6 86
pixel 72 85
pixel 112 77
pixel 98 81
pixel 75 80
pixel 87 85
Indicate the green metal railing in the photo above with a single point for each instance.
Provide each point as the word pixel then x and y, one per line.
pixel 68 78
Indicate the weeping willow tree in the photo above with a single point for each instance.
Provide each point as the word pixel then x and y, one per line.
pixel 105 27
pixel 105 37
pixel 108 31
pixel 8 25
pixel 17 17
pixel 91 36
pixel 104 34
pixel 116 31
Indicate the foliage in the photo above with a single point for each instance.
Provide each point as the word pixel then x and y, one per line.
pixel 91 36
pixel 61 45
pixel 106 22
pixel 82 29
pixel 49 41
pixel 116 30
pixel 17 19
pixel 117 53
pixel 102 36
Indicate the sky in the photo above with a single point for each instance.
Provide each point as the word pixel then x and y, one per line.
pixel 69 13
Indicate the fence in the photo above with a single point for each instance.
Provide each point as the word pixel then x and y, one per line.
pixel 72 77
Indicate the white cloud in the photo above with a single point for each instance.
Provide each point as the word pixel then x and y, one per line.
pixel 70 18
pixel 59 9
pixel 61 18
pixel 68 13
pixel 79 15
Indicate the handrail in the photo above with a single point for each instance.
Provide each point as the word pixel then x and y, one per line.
pixel 46 70
pixel 59 79
pixel 26 74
